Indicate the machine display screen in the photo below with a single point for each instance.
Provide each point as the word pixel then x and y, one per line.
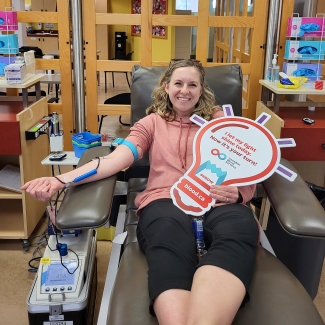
pixel 58 275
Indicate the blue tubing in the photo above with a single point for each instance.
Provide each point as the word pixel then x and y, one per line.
pixel 80 178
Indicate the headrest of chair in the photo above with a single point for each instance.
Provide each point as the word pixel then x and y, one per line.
pixel 225 81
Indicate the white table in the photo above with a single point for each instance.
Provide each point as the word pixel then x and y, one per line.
pixel 51 79
pixel 32 81
pixel 271 87
pixel 69 160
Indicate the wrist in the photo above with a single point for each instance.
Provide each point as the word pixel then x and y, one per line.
pixel 65 184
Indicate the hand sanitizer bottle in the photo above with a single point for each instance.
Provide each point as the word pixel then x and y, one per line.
pixel 275 69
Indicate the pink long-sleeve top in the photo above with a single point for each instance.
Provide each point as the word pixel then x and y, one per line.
pixel 170 146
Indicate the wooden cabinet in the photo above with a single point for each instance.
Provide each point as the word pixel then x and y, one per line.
pixel 19 212
pixel 43 5
pixel 46 44
pixel 37 5
pixel 50 45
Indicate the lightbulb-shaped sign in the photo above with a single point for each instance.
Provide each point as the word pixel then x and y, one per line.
pixel 228 151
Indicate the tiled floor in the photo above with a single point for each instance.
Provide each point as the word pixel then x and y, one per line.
pixel 113 128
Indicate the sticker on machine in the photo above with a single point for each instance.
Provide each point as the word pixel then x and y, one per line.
pixel 54 318
pixel 62 322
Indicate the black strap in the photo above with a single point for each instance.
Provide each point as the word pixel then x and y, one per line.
pixel 98 158
pixel 59 180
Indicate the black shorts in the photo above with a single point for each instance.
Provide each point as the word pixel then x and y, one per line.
pixel 166 236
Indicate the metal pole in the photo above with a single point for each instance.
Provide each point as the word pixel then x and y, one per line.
pixel 78 66
pixel 310 8
pixel 272 27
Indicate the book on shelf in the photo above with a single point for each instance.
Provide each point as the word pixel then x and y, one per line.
pixel 10 178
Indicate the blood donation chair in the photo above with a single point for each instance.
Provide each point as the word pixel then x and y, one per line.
pixel 276 295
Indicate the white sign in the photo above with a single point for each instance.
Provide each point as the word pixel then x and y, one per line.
pixel 228 151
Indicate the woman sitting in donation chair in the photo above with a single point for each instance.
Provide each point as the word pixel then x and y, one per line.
pixel 183 289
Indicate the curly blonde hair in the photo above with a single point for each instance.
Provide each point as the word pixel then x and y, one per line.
pixel 161 103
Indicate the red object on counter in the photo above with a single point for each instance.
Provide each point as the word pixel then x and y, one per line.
pixel 319 84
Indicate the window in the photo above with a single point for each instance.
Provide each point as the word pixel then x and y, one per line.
pixel 187 5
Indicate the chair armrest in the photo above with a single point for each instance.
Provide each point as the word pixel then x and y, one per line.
pixel 294 204
pixel 87 205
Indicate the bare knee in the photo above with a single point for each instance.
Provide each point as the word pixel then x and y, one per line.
pixel 171 307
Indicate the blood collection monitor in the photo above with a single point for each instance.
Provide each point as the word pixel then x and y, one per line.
pixel 58 297
pixel 54 281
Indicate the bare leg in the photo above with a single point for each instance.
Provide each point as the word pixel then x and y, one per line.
pixel 215 297
pixel 171 307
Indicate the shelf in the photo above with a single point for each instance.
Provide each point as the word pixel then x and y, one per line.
pixel 20 213
pixel 293 118
pixel 9 109
pixel 12 225
pixel 7 194
pixel 9 127
pixel 302 90
pixel 309 138
pixel 26 84
pixel 44 33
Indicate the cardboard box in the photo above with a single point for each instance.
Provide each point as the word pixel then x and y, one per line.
pixel 306 27
pixel 15 73
pixel 296 83
pixel 304 50
pixel 9 44
pixel 19 72
pixel 312 71
pixel 8 20
pixel 105 233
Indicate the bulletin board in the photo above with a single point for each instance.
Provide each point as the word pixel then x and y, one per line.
pixel 159 7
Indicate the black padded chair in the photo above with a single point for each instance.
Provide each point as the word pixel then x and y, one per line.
pixel 120 99
pixel 277 297
pixel 33 94
pixel 128 57
pixel 30 93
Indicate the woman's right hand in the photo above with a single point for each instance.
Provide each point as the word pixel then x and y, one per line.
pixel 43 188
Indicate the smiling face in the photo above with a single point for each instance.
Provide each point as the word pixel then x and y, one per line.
pixel 184 90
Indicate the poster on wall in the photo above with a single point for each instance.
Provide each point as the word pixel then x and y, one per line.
pixel 159 7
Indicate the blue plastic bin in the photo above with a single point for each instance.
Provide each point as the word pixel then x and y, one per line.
pixel 83 141
pixel 86 137
pixel 86 145
pixel 78 151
